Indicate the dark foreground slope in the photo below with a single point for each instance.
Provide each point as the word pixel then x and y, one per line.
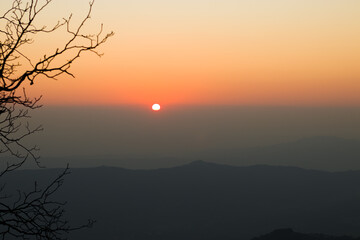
pixel 289 234
pixel 206 201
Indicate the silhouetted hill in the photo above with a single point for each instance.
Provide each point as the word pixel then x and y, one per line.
pixel 203 200
pixel 289 234
pixel 323 153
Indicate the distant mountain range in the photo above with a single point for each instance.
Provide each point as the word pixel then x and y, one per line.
pixel 322 153
pixel 203 200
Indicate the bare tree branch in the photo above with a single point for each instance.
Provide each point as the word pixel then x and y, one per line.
pixel 34 214
pixel 20 30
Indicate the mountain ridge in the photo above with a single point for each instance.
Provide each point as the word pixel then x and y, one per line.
pixel 203 200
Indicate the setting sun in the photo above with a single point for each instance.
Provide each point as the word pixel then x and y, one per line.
pixel 155 107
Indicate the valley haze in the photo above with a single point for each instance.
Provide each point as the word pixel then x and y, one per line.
pixel 138 138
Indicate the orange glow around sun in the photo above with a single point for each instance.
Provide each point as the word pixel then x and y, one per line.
pixel 223 53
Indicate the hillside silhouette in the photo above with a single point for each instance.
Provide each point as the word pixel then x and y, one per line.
pixel 321 152
pixel 203 200
pixel 289 234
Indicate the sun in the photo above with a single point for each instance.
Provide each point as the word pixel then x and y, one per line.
pixel 156 107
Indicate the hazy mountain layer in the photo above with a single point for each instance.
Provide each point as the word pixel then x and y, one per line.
pixel 321 153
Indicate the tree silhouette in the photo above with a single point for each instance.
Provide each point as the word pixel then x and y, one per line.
pixel 33 214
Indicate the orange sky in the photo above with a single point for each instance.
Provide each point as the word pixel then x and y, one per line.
pixel 279 52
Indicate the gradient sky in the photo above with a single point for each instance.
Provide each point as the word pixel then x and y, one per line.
pixel 234 52
pixel 285 69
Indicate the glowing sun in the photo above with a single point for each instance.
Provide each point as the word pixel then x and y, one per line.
pixel 155 107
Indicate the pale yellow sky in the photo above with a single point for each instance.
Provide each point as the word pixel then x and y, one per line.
pixel 279 52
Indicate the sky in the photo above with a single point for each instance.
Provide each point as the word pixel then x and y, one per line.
pixel 228 74
pixel 211 52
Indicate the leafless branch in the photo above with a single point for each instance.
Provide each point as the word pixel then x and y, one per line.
pixel 34 214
